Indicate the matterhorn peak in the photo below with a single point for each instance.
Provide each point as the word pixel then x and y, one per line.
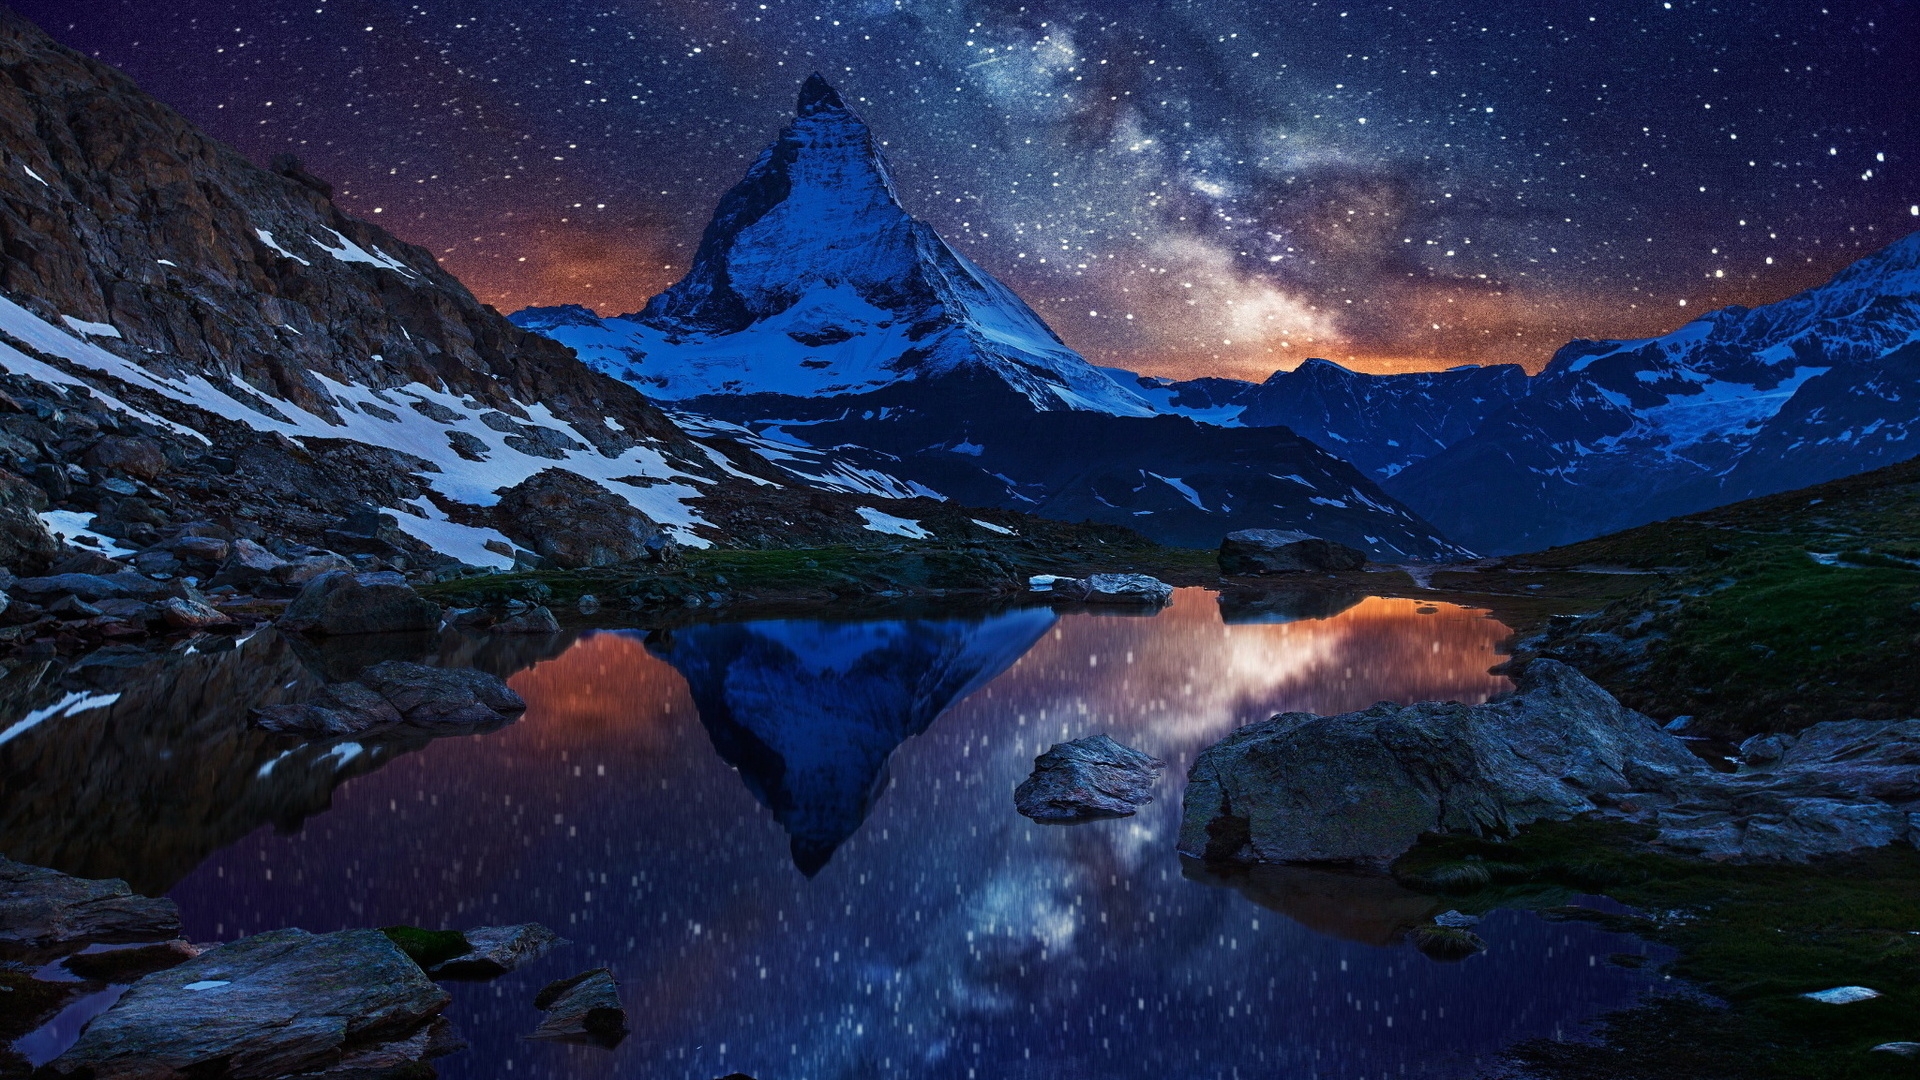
pixel 818 95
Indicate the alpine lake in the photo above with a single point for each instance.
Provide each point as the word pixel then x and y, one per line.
pixel 793 841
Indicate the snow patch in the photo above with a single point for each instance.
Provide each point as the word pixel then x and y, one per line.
pixel 882 522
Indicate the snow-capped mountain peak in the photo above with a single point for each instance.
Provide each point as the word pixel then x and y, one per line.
pixel 811 279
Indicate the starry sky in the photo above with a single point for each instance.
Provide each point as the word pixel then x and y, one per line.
pixel 1181 186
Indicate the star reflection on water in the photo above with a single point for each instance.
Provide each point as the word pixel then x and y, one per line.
pixel 794 843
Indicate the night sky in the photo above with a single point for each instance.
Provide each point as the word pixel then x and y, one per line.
pixel 1221 186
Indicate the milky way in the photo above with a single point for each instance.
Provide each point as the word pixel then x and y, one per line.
pixel 1216 187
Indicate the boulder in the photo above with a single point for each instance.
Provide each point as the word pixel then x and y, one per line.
pixel 247 563
pixel 1126 589
pixel 307 567
pixel 1361 787
pixel 134 456
pixel 26 547
pixel 1104 588
pixel 537 620
pixel 441 701
pixel 584 1009
pixel 575 522
pixel 1087 780
pixel 42 908
pixel 192 615
pixel 1277 551
pixel 496 950
pixel 342 602
pixel 271 1005
pixel 88 587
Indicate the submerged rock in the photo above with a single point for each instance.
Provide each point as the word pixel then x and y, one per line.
pixel 41 909
pixel 496 950
pixel 1276 551
pixel 270 1005
pixel 437 700
pixel 1363 786
pixel 340 602
pixel 1446 943
pixel 584 1009
pixel 539 620
pixel 1087 780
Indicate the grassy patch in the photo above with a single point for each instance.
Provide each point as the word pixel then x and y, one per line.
pixel 1770 641
pixel 428 948
pixel 844 571
pixel 1754 936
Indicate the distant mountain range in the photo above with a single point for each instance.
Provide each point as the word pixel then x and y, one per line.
pixel 819 314
pixel 1613 434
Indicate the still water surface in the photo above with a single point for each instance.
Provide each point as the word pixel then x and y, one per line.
pixel 794 843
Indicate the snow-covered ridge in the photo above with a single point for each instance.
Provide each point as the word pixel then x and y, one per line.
pixel 422 421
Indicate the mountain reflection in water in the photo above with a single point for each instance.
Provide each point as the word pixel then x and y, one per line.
pixel 947 937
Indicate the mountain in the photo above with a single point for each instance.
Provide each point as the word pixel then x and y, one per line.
pixel 188 337
pixel 1380 423
pixel 1737 404
pixel 820 316
pixel 809 712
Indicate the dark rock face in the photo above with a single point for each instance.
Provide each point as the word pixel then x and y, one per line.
pixel 1362 787
pixel 342 602
pixel 574 521
pixel 264 1007
pixel 1273 551
pixel 42 909
pixel 497 950
pixel 1087 780
pixel 26 547
pixel 441 701
pixel 584 1009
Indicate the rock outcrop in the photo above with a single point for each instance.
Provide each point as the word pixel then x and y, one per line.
pixel 496 950
pixel 438 701
pixel 1087 780
pixel 43 909
pixel 585 1009
pixel 268 1006
pixel 1362 787
pixel 575 522
pixel 1276 551
pixel 343 602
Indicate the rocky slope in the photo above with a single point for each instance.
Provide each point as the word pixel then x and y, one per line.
pixel 187 336
pixel 819 315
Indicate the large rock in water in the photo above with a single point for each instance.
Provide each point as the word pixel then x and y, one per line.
pixel 1276 551
pixel 341 602
pixel 585 1009
pixel 42 909
pixel 1087 780
pixel 271 1005
pixel 574 521
pixel 1362 787
pixel 440 701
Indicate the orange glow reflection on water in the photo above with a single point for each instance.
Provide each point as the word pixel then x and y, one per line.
pixel 1179 679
